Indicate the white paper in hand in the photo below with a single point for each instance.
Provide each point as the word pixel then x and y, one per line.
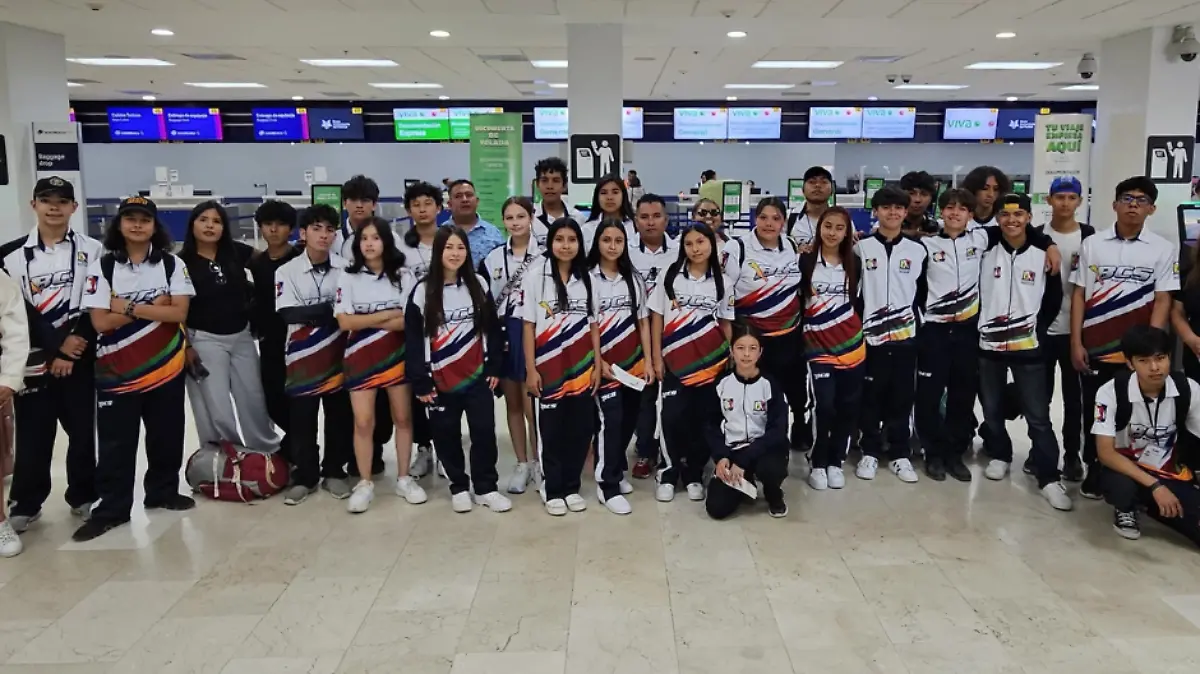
pixel 626 379
pixel 745 486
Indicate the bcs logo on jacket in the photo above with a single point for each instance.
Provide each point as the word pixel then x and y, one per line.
pixel 727 403
pixel 1028 276
pixel 1101 412
pixel 91 284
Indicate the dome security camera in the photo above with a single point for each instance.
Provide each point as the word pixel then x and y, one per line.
pixel 891 79
pixel 906 78
pixel 1183 44
pixel 1087 66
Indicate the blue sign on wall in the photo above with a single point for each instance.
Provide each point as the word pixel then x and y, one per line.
pixel 280 124
pixel 1016 124
pixel 193 124
pixel 144 124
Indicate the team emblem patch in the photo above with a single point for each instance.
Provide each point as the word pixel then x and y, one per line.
pixel 972 252
pixel 939 256
pixel 905 264
pixel 279 288
pixel 338 298
pixel 996 272
pixel 1101 412
pixel 872 263
pixel 81 257
pixel 760 406
pixel 727 403
pixel 1074 261
pixel 1028 276
pixel 91 285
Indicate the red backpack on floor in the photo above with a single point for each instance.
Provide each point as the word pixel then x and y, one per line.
pixel 227 472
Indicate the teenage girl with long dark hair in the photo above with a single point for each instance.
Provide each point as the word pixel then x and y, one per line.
pixel 624 323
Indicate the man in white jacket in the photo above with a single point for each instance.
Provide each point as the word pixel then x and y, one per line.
pixel 14 350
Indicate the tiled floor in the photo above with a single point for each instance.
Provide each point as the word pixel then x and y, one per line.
pixel 880 577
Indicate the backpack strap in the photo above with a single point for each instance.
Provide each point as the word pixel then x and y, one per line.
pixel 107 263
pixel 1124 411
pixel 1183 402
pixel 168 262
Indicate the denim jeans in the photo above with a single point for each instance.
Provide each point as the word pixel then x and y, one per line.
pixel 1030 380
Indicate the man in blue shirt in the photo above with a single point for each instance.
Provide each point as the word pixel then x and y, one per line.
pixel 482 235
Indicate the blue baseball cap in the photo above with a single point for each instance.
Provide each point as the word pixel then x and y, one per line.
pixel 1066 184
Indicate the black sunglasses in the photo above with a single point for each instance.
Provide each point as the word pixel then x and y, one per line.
pixel 707 212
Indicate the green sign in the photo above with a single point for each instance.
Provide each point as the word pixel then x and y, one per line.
pixel 731 201
pixel 873 185
pixel 460 120
pixel 795 192
pixel 1020 187
pixel 330 195
pixel 495 162
pixel 421 123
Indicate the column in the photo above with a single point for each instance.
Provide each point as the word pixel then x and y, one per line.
pixel 33 88
pixel 1142 93
pixel 594 92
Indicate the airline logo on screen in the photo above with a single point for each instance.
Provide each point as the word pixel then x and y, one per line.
pixel 834 112
pixel 888 112
pixel 696 112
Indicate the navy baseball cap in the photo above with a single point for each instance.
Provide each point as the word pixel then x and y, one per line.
pixel 1066 184
pixel 138 205
pixel 1013 202
pixel 56 186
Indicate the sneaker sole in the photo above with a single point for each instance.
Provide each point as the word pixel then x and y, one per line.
pixel 414 501
pixel 779 515
pixel 1126 534
pixel 1090 496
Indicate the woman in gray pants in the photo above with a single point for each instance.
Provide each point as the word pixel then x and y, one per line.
pixel 222 357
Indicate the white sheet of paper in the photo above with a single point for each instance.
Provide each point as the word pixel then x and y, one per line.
pixel 626 379
pixel 746 487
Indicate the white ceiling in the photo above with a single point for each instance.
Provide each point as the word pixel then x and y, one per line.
pixel 674 49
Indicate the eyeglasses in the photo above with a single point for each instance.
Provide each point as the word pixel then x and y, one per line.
pixel 1132 200
pixel 707 212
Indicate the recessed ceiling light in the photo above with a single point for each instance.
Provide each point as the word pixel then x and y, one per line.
pixel 405 85
pixel 1010 99
pixel 162 32
pixel 297 98
pixel 351 63
pixel 1006 35
pixel 759 86
pixel 872 98
pixel 148 97
pixel 731 98
pixel 73 84
pixel 823 83
pixel 558 85
pixel 443 98
pixel 119 61
pixel 797 64
pixel 931 87
pixel 1082 87
pixel 1014 65
pixel 736 33
pixel 541 63
pixel 439 33
pixel 226 85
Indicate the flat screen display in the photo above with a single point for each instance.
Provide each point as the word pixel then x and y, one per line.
pixel 835 123
pixel 460 120
pixel 969 124
pixel 280 124
pixel 335 123
pixel 701 123
pixel 550 123
pixel 632 120
pixel 1017 124
pixel 421 123
pixel 198 124
pixel 134 124
pixel 889 123
pixel 754 123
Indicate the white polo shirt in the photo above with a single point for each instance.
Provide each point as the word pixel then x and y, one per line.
pixel 542 221
pixel 620 334
pixel 143 355
pixel 694 348
pixel 652 264
pixel 313 354
pixel 1119 278
pixel 1151 436
pixel 562 335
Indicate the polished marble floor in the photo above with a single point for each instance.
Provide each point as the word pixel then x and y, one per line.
pixel 879 577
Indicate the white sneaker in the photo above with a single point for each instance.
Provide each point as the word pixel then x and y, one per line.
pixel 818 479
pixel 837 477
pixel 494 501
pixel 461 502
pixel 10 542
pixel 422 462
pixel 1056 494
pixel 520 478
pixel 20 523
pixel 575 503
pixel 408 489
pixel 617 505
pixel 665 493
pixel 83 512
pixel 626 487
pixel 866 468
pixel 361 497
pixel 996 469
pixel 695 491
pixel 903 469
pixel 556 507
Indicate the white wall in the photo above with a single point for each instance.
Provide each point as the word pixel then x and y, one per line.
pixel 232 169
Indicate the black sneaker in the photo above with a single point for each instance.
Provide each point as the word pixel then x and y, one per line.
pixel 1072 471
pixel 1126 525
pixel 957 469
pixel 176 502
pixel 777 507
pixel 935 468
pixel 1028 467
pixel 1090 489
pixel 94 528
